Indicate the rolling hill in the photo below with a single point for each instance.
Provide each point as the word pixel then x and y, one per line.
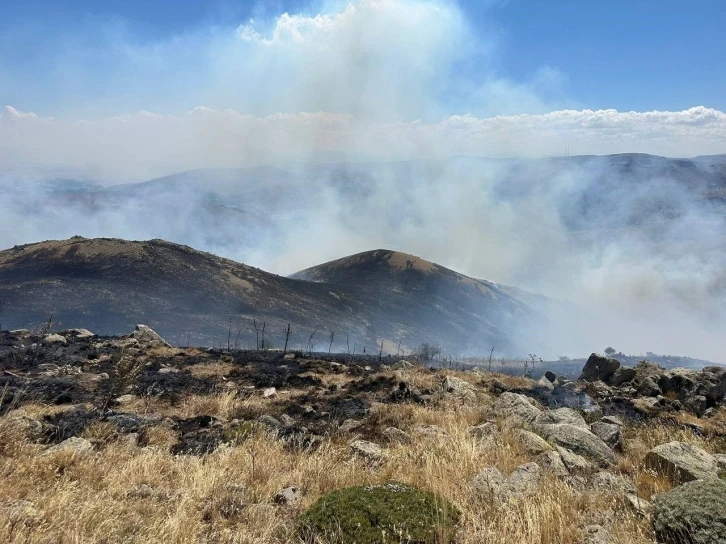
pixel 109 285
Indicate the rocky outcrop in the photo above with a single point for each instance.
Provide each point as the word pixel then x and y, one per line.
pixel 599 367
pixel 681 462
pixel 515 409
pixel 490 483
pixel 578 440
pixel 147 337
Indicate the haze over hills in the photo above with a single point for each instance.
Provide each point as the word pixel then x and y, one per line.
pixel 108 285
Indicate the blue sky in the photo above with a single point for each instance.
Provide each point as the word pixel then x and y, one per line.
pixel 61 57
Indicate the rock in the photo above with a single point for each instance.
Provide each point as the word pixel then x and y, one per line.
pixel 269 392
pixel 20 512
pixel 720 459
pixel 596 534
pixel 696 404
pixel 403 365
pixel 169 370
pixel 578 440
pixel 126 399
pixel 515 409
pixel 573 462
pixel 288 496
pixel 148 337
pixel 350 425
pixel 600 390
pixel 622 375
pixel 648 405
pixel 544 384
pixel 404 392
pixel 484 430
pixel 490 484
pixel 551 376
pixel 74 446
pixel 607 432
pixel 641 506
pixel 681 462
pixel 430 431
pixel 459 388
pixel 608 481
pixel 55 339
pixel 397 436
pixel 524 480
pixel 649 387
pixel 270 422
pixel 532 443
pixel 551 461
pixel 615 420
pixel 287 421
pixel 21 332
pixel 560 415
pixel 694 513
pixel 26 427
pixel 367 450
pixel 599 367
pixel 79 333
pixel 141 491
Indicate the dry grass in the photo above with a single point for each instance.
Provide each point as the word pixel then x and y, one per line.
pixel 129 492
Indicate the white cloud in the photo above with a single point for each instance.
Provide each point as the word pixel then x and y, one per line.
pixel 142 145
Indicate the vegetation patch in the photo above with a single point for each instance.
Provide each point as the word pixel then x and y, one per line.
pixel 388 513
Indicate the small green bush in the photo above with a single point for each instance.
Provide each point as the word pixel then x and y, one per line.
pixel 390 513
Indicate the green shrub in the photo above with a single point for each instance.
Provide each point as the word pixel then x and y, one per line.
pixel 390 513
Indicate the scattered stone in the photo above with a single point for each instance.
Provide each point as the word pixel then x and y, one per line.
pixel 350 425
pixel 649 388
pixel 696 404
pixel 694 512
pixel 596 534
pixel 141 491
pixel 397 436
pixel 75 446
pixel 532 443
pixel 560 415
pixel 515 409
pixel 551 461
pixel 607 432
pixel 573 462
pixel 551 376
pixel 148 337
pixel 430 431
pixel 647 405
pixel 611 482
pixel 367 450
pixel 288 496
pixel 269 392
pixel 524 480
pixel 578 440
pixel 270 422
pixel 641 506
pixel 490 483
pixel 459 388
pixel 622 375
pixel 484 431
pixel 169 370
pixel 615 420
pixel 126 399
pixel 79 333
pixel 55 339
pixel 681 462
pixel 599 367
pixel 287 421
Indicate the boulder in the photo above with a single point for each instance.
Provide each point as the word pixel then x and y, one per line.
pixel 532 443
pixel 524 480
pixel 55 339
pixel 368 450
pixel 79 333
pixel 551 376
pixel 721 463
pixel 560 415
pixel 544 384
pixel 451 385
pixel 693 513
pixel 696 404
pixel 74 446
pixel 397 436
pixel 573 462
pixel 490 483
pixel 578 440
pixel 596 534
pixel 681 462
pixel 607 481
pixel 430 431
pixel 615 420
pixel 288 496
pixel 148 337
pixel 484 430
pixel 551 461
pixel 641 506
pixel 515 409
pixel 622 375
pixel 599 367
pixel 649 387
pixel 607 432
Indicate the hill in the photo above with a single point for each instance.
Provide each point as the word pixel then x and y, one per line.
pixel 108 285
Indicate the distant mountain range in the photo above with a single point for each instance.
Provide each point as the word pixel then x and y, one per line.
pixel 109 285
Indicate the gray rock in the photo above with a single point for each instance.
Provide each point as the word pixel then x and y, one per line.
pixel 367 450
pixel 681 462
pixel 27 427
pixel 596 534
pixel 649 387
pixel 607 481
pixel 578 440
pixel 544 384
pixel 514 408
pixel 641 506
pixel 288 496
pixel 532 443
pixel 484 430
pixel 403 365
pixel 397 436
pixel 560 415
pixel 573 462
pixel 551 461
pixel 696 404
pixel 288 421
pixel 693 513
pixel 599 367
pixel 490 484
pixel 720 459
pixel 615 420
pixel 607 432
pixel 622 375
pixel 148 337
pixel 72 446
pixel 79 333
pixel 430 431
pixel 55 339
pixel 524 480
pixel 126 399
pixel 269 392
pixel 459 388
pixel 551 376
pixel 270 422
pixel 169 370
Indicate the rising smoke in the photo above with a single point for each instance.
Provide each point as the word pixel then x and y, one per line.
pixel 382 162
